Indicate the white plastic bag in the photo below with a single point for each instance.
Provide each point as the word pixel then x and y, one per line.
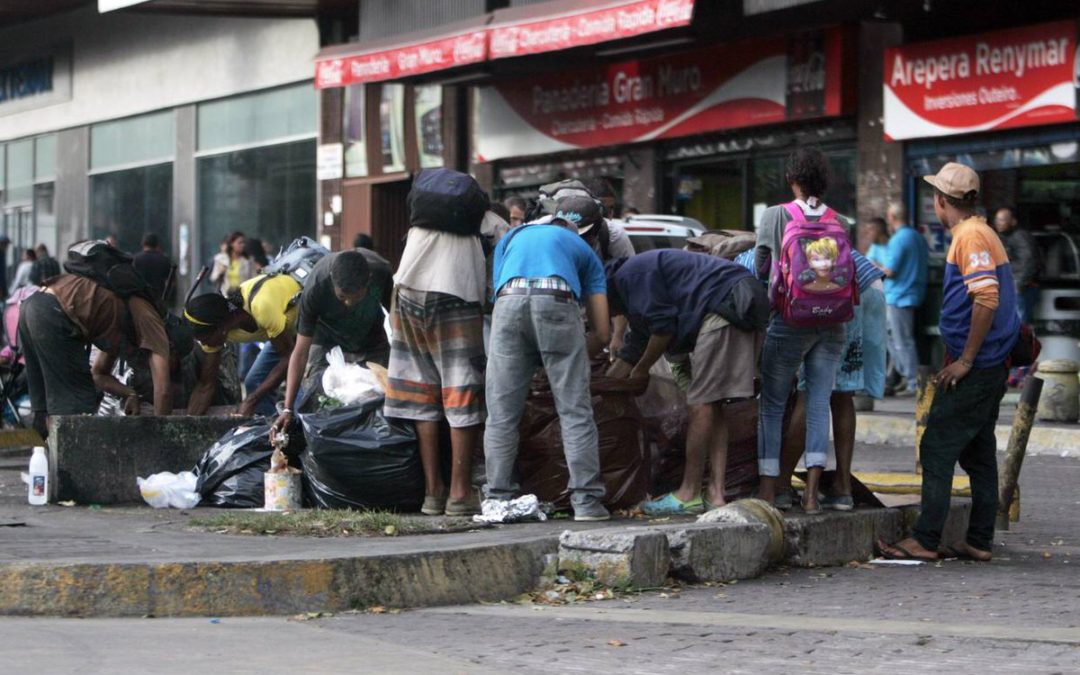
pixel 349 383
pixel 169 490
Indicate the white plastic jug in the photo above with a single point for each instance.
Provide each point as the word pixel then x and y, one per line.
pixel 39 478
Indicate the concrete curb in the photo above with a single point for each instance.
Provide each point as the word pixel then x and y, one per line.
pixel 900 430
pixel 627 556
pixel 457 576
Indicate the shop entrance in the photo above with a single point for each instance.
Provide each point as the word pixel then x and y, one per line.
pixel 714 194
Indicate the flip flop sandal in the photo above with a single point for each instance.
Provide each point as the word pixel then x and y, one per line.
pixel 959 554
pixel 883 551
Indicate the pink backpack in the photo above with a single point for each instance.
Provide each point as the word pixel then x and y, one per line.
pixel 814 274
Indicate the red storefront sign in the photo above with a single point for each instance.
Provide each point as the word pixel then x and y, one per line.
pixel 1010 78
pixel 737 85
pixel 581 27
pixel 413 59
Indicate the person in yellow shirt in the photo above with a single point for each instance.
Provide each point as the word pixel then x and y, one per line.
pixel 261 309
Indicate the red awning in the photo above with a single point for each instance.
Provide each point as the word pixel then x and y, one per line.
pixel 578 23
pixel 518 31
pixel 449 46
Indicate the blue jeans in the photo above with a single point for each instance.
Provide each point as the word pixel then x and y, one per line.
pixel 905 356
pixel 818 350
pixel 257 374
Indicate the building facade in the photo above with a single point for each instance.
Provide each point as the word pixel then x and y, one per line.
pixel 187 127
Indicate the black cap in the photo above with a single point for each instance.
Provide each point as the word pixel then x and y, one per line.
pixel 581 212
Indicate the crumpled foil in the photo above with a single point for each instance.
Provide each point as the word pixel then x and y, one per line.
pixel 526 507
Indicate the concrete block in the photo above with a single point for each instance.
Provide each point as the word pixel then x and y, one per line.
pixel 835 538
pixel 720 552
pixel 746 511
pixel 95 460
pixel 632 557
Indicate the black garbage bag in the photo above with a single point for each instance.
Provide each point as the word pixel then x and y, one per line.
pixel 230 473
pixel 356 458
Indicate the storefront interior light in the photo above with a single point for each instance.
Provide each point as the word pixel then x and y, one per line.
pixel 660 44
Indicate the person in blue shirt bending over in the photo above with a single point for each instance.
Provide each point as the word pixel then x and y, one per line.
pixel 542 273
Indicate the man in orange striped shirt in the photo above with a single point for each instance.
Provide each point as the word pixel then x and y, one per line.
pixel 979 327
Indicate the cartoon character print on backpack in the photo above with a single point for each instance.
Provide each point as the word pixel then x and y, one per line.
pixel 814 274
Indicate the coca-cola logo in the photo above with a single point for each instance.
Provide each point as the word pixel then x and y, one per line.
pixel 808 76
pixel 469 48
pixel 670 12
pixel 331 73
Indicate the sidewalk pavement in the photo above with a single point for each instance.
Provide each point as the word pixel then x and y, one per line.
pixel 892 422
pixel 134 561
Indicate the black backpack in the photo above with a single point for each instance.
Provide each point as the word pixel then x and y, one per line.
pixel 447 200
pixel 109 267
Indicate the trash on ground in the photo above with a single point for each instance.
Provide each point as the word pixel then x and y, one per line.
pixel 169 490
pixel 901 563
pixel 526 507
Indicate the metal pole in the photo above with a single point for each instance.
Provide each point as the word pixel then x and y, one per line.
pixel 1014 455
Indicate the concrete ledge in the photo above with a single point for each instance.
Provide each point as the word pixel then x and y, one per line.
pixel 457 576
pixel 899 430
pixel 634 556
pixel 95 460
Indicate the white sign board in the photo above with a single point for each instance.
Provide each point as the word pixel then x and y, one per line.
pixel 330 162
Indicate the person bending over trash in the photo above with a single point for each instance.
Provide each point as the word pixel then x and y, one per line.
pixel 542 272
pixel 74 311
pixel 712 312
pixel 260 309
pixel 340 306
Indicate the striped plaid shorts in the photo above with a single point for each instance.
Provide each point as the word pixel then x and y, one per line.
pixel 436 358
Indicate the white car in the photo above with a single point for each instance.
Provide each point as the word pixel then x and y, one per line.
pixel 652 231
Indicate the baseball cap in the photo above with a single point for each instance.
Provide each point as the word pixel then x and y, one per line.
pixel 956 180
pixel 581 212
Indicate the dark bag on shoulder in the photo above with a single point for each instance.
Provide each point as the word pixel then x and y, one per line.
pixel 1027 349
pixel 109 267
pixel 448 201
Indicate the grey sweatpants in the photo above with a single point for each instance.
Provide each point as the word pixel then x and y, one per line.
pixel 529 331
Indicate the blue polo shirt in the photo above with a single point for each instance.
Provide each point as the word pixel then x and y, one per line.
pixel 908 257
pixel 538 250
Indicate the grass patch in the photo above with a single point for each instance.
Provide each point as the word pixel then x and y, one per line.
pixel 328 523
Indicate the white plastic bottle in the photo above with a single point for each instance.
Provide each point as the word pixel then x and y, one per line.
pixel 39 477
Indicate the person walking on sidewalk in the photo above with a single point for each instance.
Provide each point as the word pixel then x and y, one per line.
pixel 907 259
pixel 787 347
pixel 1024 256
pixel 979 326
pixel 542 273
pixel 710 311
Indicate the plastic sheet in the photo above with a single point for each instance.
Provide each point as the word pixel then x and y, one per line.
pixel 231 471
pixel 169 490
pixel 624 462
pixel 356 458
pixel 348 383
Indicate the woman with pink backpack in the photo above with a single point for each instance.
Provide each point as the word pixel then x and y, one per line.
pixel 804 251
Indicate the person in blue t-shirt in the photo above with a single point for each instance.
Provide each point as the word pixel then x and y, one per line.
pixel 542 273
pixel 907 258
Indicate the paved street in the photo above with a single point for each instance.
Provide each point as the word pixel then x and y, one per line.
pixel 1018 614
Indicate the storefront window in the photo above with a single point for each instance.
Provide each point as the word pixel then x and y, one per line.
pixel 147 139
pixel 45 215
pixel 392 126
pixel 277 114
pixel 429 132
pixel 45 158
pixel 355 145
pixel 266 192
pixel 131 178
pixel 20 172
pixel 128 204
pixel 256 168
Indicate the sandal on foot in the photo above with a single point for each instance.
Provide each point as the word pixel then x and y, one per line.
pixel 959 553
pixel 433 506
pixel 670 505
pixel 811 512
pixel 898 552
